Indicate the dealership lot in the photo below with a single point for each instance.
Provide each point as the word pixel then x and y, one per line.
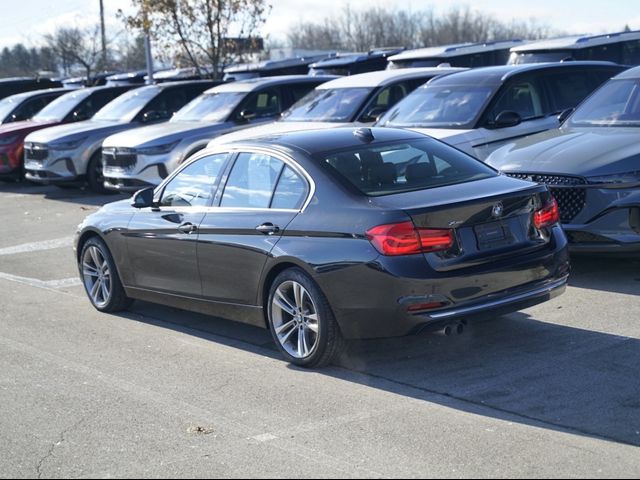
pixel 550 391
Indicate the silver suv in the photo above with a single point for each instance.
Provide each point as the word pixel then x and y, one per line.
pixel 145 156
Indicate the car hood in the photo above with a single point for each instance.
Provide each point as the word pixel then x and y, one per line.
pixel 450 135
pixel 75 131
pixel 24 127
pixel 572 151
pixel 162 133
pixel 272 129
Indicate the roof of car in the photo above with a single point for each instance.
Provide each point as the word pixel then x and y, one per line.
pixel 267 65
pixel 454 50
pixel 498 74
pixel 342 59
pixel 253 83
pixel 384 77
pixel 314 141
pixel 36 93
pixel 577 41
pixel 632 73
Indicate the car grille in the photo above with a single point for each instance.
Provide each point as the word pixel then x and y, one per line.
pixel 119 159
pixel 35 151
pixel 571 197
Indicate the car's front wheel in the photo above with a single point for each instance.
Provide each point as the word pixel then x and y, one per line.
pixel 301 321
pixel 100 278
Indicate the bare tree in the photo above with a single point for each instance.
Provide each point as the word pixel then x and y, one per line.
pixel 75 46
pixel 202 28
pixel 379 27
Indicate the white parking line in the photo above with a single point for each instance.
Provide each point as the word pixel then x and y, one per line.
pixel 47 285
pixel 37 246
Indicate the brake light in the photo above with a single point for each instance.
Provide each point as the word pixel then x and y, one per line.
pixel 547 216
pixel 405 239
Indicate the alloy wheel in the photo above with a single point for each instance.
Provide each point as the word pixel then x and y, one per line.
pixel 97 276
pixel 295 319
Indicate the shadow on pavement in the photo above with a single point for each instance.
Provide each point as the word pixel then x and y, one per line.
pixel 70 194
pixel 516 368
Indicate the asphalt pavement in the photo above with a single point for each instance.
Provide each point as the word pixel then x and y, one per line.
pixel 552 391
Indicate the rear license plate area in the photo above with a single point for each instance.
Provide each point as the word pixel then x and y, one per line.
pixel 493 235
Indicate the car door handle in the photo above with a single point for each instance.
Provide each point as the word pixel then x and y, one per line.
pixel 188 228
pixel 268 228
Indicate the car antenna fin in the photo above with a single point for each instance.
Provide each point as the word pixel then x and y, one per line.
pixel 364 134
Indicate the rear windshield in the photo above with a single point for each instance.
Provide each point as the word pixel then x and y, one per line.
pixel 389 168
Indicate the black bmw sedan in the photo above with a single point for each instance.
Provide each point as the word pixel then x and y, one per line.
pixel 322 236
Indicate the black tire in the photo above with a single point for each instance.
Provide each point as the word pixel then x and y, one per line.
pixel 329 342
pixel 95 178
pixel 117 299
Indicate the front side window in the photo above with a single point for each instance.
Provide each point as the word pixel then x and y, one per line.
pixel 522 97
pixel 194 185
pixel 440 106
pixel 266 103
pixel 328 105
pixel 616 103
pixel 252 181
pixel 403 167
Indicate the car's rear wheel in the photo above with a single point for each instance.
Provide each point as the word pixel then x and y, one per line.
pixel 301 321
pixel 100 278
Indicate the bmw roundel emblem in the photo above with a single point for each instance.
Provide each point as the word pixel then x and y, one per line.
pixel 498 210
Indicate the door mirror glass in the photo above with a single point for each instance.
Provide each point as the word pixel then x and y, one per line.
pixel 507 119
pixel 143 198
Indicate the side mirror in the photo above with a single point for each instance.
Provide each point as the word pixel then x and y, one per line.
pixel 153 115
pixel 143 198
pixel 373 114
pixel 247 115
pixel 507 119
pixel 565 114
pixel 79 116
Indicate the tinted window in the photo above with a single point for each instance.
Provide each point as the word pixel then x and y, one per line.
pixel 523 97
pixel 611 53
pixel 266 103
pixel 402 167
pixel 193 186
pixel 252 181
pixel 540 56
pixel 570 88
pixel 29 108
pixel 300 90
pixel 291 190
pixel 631 52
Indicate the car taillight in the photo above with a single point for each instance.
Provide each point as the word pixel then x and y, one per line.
pixel 547 216
pixel 405 239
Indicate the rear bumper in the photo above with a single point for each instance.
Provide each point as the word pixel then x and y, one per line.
pixel 395 296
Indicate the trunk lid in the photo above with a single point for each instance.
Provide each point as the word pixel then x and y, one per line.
pixel 491 219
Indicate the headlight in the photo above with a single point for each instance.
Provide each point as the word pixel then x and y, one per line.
pixel 8 140
pixel 618 178
pixel 159 149
pixel 70 145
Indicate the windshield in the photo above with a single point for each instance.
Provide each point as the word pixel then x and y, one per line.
pixel 125 107
pixel 209 107
pixel 414 62
pixel 616 104
pixel 8 105
pixel 446 106
pixel 385 169
pixel 539 57
pixel 57 110
pixel 328 105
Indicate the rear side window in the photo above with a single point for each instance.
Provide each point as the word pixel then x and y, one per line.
pixel 570 88
pixel 402 167
pixel 290 191
pixel 251 181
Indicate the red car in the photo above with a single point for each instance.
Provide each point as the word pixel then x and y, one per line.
pixel 71 107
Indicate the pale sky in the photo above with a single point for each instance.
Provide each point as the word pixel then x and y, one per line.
pixel 27 20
